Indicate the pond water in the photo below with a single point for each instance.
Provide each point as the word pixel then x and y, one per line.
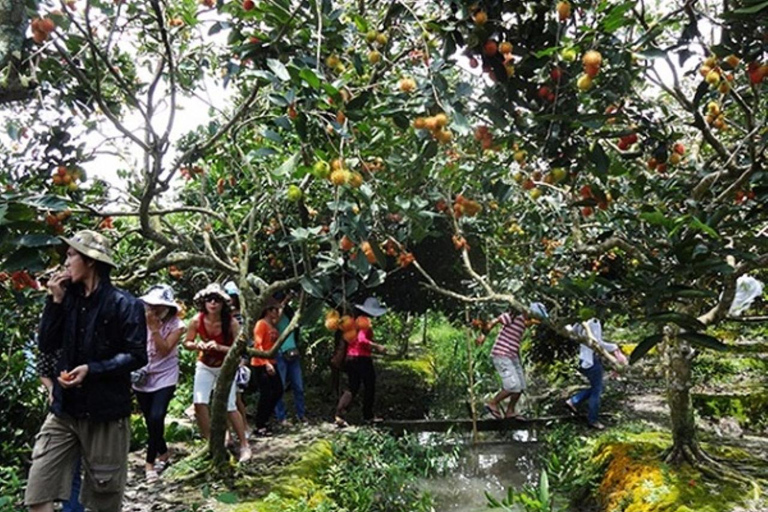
pixel 492 465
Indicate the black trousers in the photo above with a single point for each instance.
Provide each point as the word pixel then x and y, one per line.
pixel 154 407
pixel 270 391
pixel 360 372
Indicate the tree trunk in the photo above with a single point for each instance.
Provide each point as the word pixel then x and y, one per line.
pixel 219 415
pixel 685 443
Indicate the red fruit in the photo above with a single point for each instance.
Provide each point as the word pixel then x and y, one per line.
pixel 592 71
pixel 556 74
pixel 490 48
pixel 544 92
pixel 631 138
pixel 363 323
pixel 473 63
pixel 679 149
pixel 551 97
pixel 529 184
pixel 248 5
pixel 587 211
pixel 740 196
pixel 661 168
pixel 623 144
pixel 585 191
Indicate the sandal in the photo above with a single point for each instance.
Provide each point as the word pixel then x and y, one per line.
pixel 340 422
pixel 152 476
pixel 262 432
pixel 493 412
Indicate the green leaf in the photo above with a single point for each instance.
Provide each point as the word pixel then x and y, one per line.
pixel 652 53
pixel 644 347
pixel 310 77
pixel 544 489
pixel 230 498
pixel 37 240
pixel 703 340
pixel 288 166
pixel 657 219
pixel 313 286
pixel 688 292
pixel 701 90
pixel 685 321
pixel 599 158
pixel 751 10
pixel 279 69
pixel 697 224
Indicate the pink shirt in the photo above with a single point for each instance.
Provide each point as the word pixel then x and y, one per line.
pixel 508 342
pixel 162 371
pixel 361 346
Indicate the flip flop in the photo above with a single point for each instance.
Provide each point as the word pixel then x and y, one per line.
pixel 496 414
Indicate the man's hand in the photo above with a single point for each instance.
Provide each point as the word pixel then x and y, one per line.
pixel 74 377
pixel 58 285
pixel 479 340
pixel 270 369
pixel 153 321
pixel 620 357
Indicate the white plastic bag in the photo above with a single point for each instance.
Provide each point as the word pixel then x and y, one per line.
pixel 747 290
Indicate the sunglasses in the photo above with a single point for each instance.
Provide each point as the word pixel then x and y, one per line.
pixel 213 298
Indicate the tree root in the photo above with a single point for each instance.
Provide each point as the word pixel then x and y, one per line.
pixel 693 455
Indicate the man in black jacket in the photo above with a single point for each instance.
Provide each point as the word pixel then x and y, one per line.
pixel 102 333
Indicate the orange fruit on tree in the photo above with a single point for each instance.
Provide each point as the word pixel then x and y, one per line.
pixel 346 323
pixel 346 244
pixel 363 322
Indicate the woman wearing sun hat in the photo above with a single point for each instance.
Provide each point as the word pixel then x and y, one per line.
pixel 217 330
pixel 358 364
pixel 155 384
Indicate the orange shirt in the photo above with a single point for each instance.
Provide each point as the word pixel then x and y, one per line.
pixel 264 338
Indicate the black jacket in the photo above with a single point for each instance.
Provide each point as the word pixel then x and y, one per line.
pixel 113 345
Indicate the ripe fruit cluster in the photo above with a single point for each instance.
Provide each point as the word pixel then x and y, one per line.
pixel 756 72
pixel 348 325
pixel 563 10
pixel 483 135
pixel 591 61
pixel 407 85
pixel 660 161
pixel 626 141
pixel 41 29
pixel 436 125
pixel 603 199
pixel 56 221
pixel 65 177
pixel 715 116
pixel 20 280
pixel 190 172
pixel 713 74
pixel 463 206
pixel 339 174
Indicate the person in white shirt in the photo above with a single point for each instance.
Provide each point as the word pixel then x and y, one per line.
pixel 592 368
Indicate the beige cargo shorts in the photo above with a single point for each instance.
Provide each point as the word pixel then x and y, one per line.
pixel 103 447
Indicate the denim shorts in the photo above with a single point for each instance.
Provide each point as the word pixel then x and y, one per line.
pixel 511 373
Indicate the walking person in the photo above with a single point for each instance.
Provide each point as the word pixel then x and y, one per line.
pixel 102 333
pixel 217 330
pixel 289 365
pixel 358 364
pixel 265 370
pixel 592 368
pixel 155 384
pixel 505 355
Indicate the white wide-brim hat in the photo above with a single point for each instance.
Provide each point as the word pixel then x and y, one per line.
pixel 371 307
pixel 211 289
pixel 160 295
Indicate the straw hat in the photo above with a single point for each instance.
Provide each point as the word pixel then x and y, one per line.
pixel 92 244
pixel 160 295
pixel 211 289
pixel 371 307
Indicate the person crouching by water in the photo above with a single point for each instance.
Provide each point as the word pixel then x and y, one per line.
pixel 155 384
pixel 217 330
pixel 265 335
pixel 505 355
pixel 358 364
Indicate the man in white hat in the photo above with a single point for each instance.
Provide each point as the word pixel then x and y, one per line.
pixel 505 355
pixel 101 331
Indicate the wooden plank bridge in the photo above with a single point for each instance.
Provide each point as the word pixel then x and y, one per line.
pixel 483 425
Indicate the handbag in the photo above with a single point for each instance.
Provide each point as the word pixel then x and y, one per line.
pixel 139 377
pixel 291 355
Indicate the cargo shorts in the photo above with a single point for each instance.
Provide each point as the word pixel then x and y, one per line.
pixel 103 448
pixel 511 373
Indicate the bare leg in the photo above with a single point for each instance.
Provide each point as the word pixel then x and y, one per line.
pixel 241 409
pixel 496 400
pixel 344 401
pixel 203 420
pixel 41 507
pixel 513 398
pixel 239 426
